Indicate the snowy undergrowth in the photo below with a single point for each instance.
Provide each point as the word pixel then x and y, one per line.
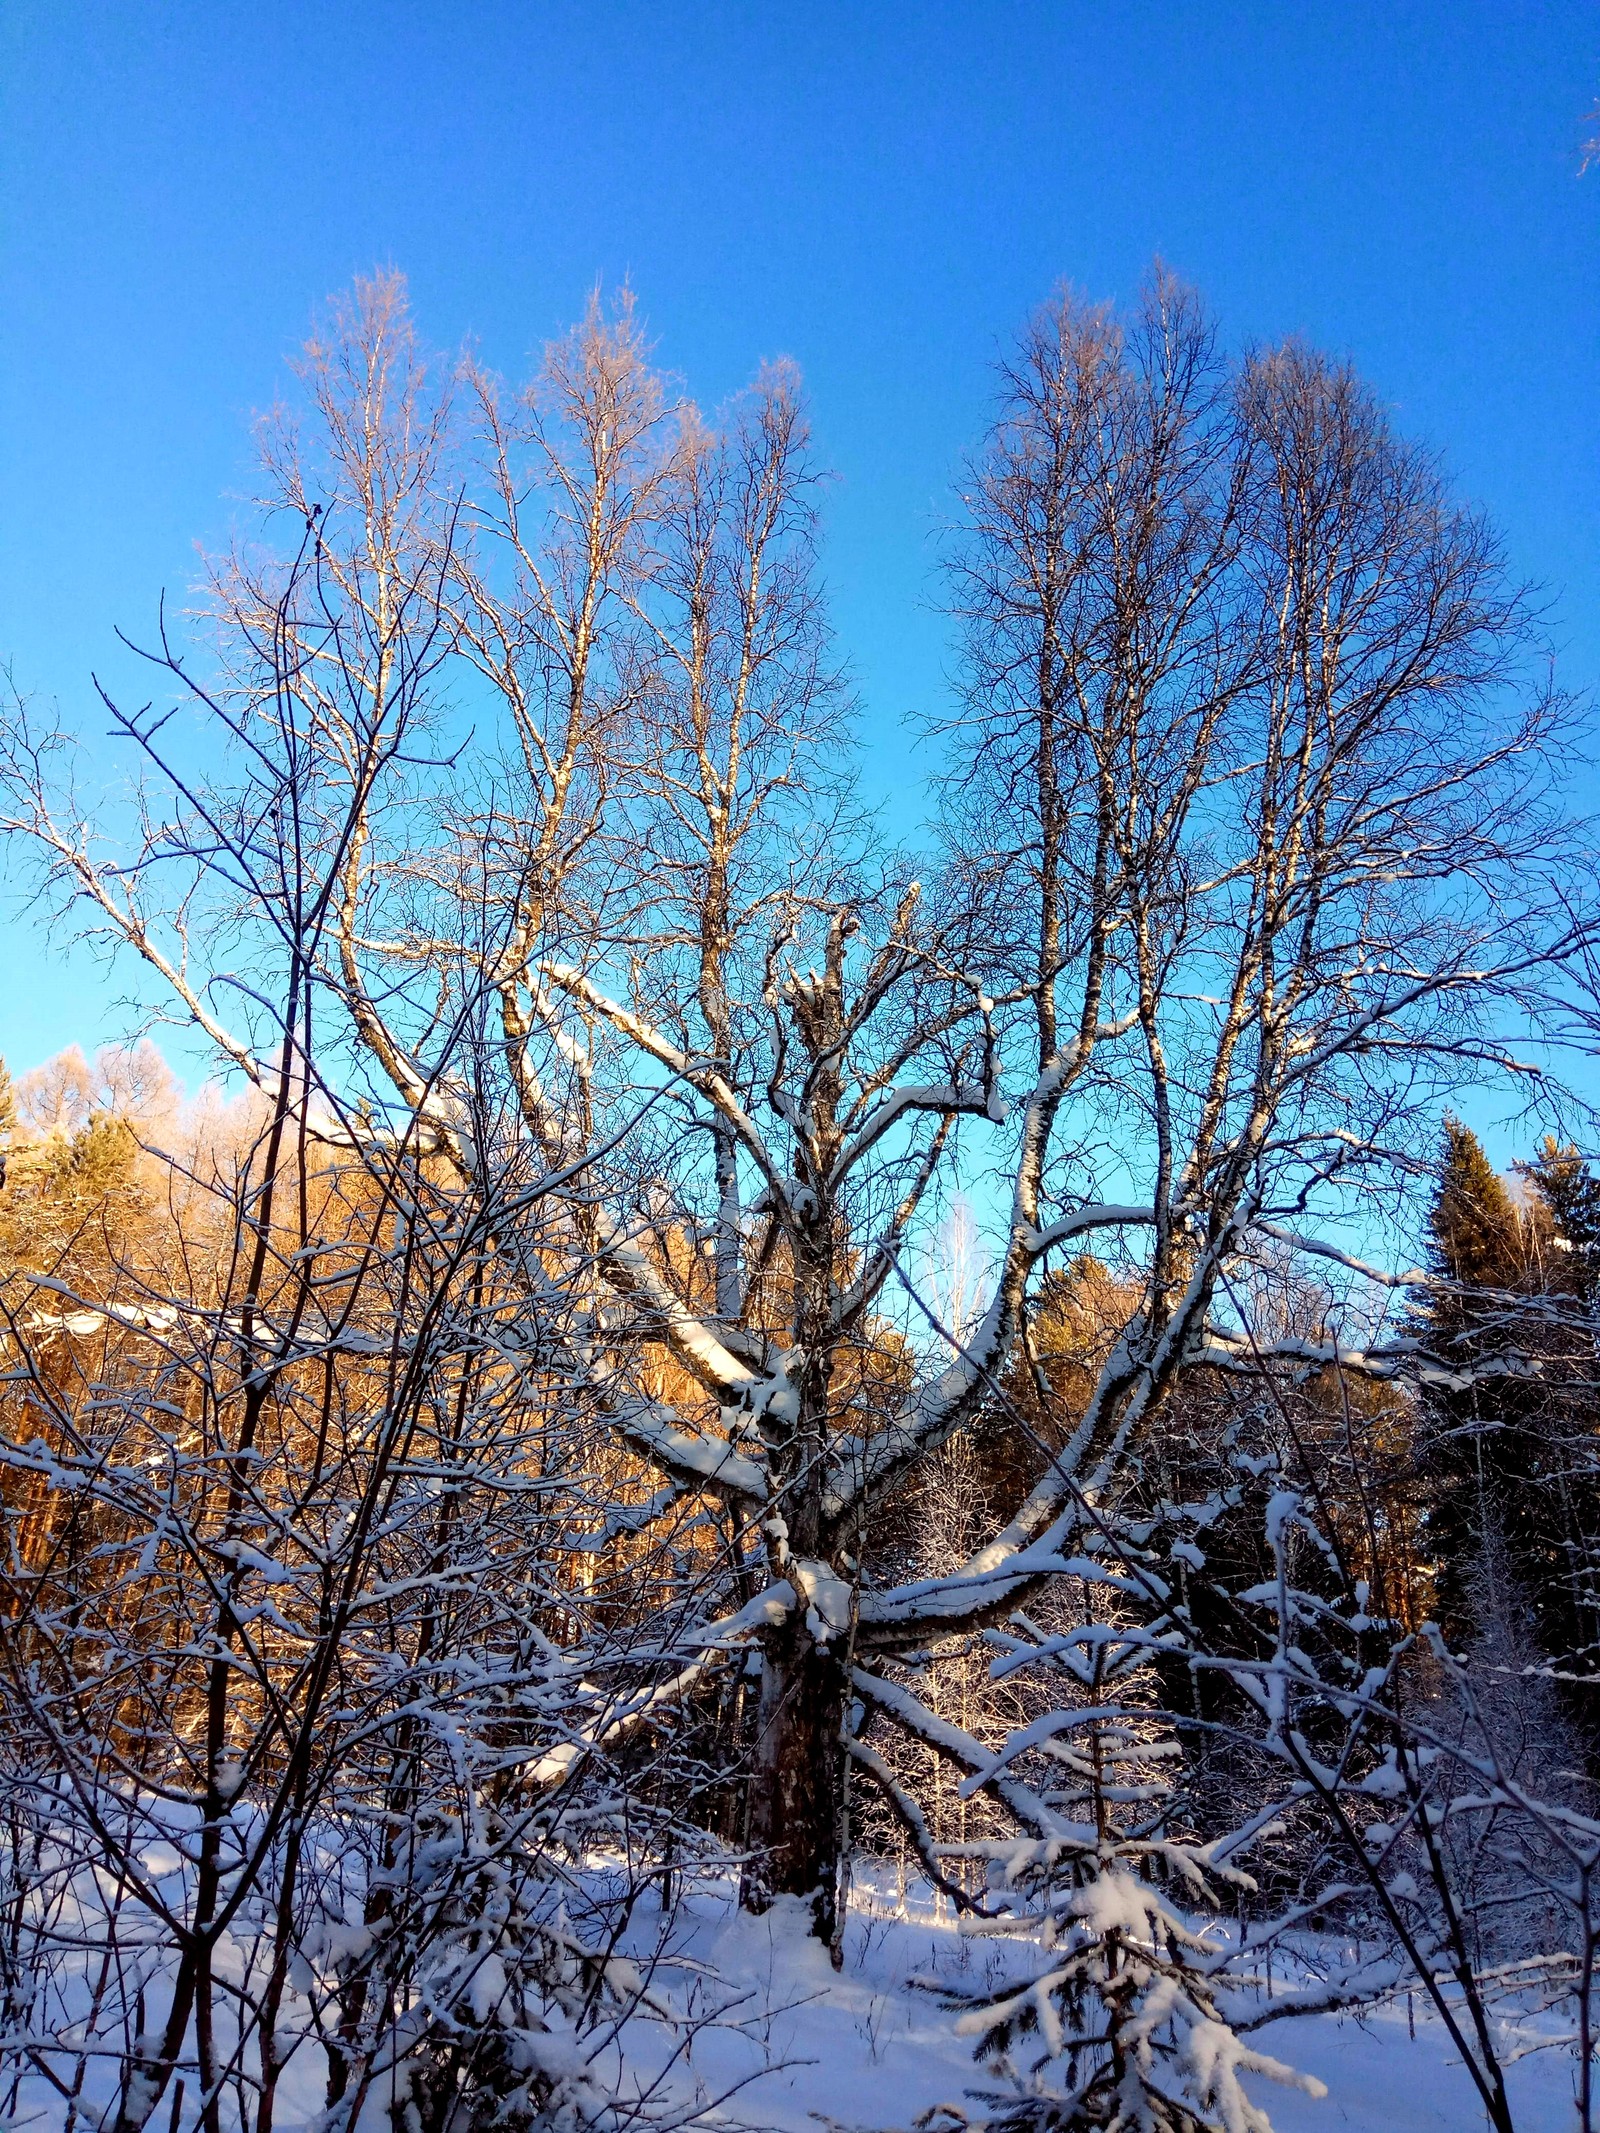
pixel 869 2047
pixel 762 2033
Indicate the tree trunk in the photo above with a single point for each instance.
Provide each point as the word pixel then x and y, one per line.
pixel 794 1786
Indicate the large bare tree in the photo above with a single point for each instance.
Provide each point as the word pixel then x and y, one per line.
pixel 1247 855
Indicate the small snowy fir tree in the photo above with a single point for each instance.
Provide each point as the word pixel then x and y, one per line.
pixel 1120 2028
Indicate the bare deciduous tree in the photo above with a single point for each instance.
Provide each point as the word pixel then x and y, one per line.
pixel 536 789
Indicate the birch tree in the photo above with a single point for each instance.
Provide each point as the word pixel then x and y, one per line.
pixel 1246 856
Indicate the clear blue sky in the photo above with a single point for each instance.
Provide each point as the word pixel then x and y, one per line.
pixel 879 190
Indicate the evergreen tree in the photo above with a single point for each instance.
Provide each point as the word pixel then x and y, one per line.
pixel 1570 1197
pixel 1513 1517
pixel 1475 1434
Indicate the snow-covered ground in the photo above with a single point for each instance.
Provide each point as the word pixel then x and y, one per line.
pixel 770 2037
pixel 864 2048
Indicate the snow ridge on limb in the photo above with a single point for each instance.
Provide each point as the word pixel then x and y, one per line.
pixel 958 1746
pixel 692 1458
pixel 695 1342
pixel 702 1074
pixel 1128 1386
pixel 941 1405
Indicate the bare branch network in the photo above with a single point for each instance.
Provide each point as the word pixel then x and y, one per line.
pixel 537 1435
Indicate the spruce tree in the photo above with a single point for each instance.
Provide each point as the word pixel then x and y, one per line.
pixel 1568 1197
pixel 1513 1514
pixel 1475 1435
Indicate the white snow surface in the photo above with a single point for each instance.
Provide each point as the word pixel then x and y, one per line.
pixel 775 2039
pixel 865 2048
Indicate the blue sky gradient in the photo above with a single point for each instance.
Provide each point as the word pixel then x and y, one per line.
pixel 880 191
